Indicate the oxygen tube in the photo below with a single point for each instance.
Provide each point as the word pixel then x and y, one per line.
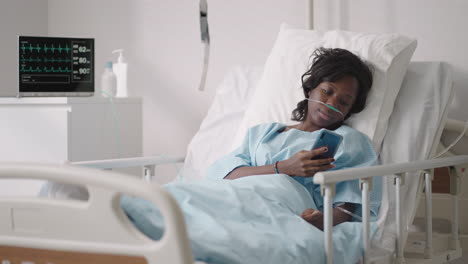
pixel 454 142
pixel 329 106
pixel 337 206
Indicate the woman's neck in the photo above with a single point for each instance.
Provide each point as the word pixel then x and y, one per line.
pixel 305 127
pixel 301 126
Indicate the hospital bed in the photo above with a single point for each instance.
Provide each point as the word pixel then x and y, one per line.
pixel 56 230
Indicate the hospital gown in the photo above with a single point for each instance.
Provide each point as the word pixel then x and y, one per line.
pixel 265 144
pixel 256 219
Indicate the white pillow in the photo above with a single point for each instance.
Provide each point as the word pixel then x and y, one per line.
pixel 280 89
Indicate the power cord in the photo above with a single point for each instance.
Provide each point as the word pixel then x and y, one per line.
pixel 116 123
pixel 454 142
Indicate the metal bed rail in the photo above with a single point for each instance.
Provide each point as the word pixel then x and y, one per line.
pixel 329 179
pixel 148 163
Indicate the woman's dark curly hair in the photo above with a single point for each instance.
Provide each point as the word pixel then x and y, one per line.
pixel 331 65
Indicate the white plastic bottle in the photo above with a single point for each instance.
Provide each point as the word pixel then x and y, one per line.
pixel 120 70
pixel 108 81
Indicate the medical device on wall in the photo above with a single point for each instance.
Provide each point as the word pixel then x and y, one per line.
pixel 54 66
pixel 205 37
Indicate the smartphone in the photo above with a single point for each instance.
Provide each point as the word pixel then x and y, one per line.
pixel 329 139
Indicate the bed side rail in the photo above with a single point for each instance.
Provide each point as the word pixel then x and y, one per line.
pixel 398 170
pixel 148 163
pixel 98 225
pixel 128 162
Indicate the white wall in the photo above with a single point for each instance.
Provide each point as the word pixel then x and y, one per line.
pixel 164 51
pixel 18 17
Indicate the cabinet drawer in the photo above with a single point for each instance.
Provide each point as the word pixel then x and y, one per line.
pixel 31 133
pixel 105 131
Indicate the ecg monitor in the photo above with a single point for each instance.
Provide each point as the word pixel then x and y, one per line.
pixel 52 66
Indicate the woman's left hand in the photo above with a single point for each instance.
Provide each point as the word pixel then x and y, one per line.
pixel 314 217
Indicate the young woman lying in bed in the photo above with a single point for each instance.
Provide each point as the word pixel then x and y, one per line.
pixel 335 87
pixel 265 212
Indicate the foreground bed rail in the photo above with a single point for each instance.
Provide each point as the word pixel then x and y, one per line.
pixel 328 180
pixel 86 232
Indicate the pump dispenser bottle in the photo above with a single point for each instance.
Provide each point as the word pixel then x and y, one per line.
pixel 120 70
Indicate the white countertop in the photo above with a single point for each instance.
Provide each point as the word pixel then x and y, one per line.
pixel 67 100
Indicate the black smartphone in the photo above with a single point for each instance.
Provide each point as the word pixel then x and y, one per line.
pixel 329 139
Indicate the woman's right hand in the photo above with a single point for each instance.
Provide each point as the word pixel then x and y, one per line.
pixel 302 163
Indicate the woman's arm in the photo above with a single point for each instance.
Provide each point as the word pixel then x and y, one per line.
pixel 301 164
pixel 247 171
pixel 315 217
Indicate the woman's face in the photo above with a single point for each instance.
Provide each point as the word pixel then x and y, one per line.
pixel 340 94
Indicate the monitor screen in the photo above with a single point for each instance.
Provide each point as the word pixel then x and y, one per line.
pixel 55 66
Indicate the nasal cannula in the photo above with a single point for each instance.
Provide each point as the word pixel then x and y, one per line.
pixel 327 105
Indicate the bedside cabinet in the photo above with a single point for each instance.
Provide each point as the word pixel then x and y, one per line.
pixel 61 129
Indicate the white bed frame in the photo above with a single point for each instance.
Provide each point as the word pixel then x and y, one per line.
pixel 328 180
pixel 94 231
pixel 99 226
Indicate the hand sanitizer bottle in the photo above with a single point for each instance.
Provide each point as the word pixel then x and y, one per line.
pixel 108 81
pixel 120 70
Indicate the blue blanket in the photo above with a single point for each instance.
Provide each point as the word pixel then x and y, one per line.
pixel 253 220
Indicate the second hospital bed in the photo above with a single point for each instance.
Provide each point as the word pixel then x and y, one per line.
pixel 99 227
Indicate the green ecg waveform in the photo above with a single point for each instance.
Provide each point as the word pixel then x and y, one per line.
pixel 45 69
pixel 45 60
pixel 45 48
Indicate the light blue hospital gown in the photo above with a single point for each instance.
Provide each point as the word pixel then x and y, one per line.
pixel 264 144
pixel 256 219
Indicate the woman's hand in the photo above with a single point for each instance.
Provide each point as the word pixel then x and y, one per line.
pixel 302 163
pixel 314 217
